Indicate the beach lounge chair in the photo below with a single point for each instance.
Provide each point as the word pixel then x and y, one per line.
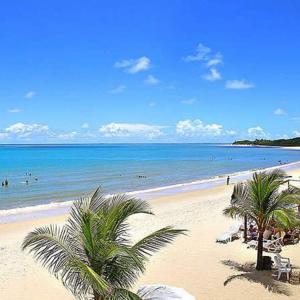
pixel 230 234
pixel 283 265
pixel 268 245
pixel 274 245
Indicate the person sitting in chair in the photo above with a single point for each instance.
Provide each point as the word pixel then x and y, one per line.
pixel 252 232
pixel 268 233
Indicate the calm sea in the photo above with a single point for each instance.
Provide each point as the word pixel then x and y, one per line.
pixel 41 174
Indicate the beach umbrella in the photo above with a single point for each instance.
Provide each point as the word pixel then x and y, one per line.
pixel 163 292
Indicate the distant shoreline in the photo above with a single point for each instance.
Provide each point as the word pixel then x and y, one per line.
pixel 292 142
pixel 264 146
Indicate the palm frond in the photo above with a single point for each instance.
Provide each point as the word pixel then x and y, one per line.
pixel 123 294
pixel 157 240
pixel 240 193
pixel 121 208
pixel 233 211
pixel 51 246
pixel 89 276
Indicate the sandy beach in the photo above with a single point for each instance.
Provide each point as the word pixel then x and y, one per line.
pixel 195 262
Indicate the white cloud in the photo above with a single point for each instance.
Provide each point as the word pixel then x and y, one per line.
pixel 216 60
pixel 85 125
pixel 201 54
pixel 118 90
pixel 284 136
pixel 3 135
pixel 213 75
pixel 25 130
pixel 238 84
pixel 131 130
pixel 190 128
pixel 14 110
pixel 279 112
pixel 256 132
pixel 30 94
pixel 41 133
pixel 189 101
pixel 67 135
pixel 133 66
pixel 209 60
pixel 296 133
pixel 151 80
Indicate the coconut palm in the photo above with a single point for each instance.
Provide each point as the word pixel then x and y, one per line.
pixel 263 200
pixel 92 253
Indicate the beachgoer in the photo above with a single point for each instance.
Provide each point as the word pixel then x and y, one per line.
pixel 252 232
pixel 267 233
pixel 288 237
pixel 6 182
pixel 228 180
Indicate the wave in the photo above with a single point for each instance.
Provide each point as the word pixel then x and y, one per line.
pixel 197 184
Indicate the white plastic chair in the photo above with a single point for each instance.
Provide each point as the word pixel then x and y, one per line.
pixel 283 266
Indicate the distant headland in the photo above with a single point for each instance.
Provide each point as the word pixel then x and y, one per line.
pixel 294 142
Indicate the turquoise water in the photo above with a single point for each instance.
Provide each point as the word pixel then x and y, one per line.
pixel 64 172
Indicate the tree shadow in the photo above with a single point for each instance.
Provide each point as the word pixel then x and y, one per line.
pixel 267 279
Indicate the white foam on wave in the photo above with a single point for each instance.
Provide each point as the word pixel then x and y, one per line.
pixel 34 208
pixel 198 183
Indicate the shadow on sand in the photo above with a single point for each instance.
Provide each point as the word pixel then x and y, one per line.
pixel 268 279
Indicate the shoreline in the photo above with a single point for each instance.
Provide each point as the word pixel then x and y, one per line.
pixel 59 208
pixel 264 146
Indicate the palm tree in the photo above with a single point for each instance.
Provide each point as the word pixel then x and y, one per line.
pixel 92 253
pixel 263 201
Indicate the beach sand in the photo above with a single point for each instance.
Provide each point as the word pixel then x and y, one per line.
pixel 195 262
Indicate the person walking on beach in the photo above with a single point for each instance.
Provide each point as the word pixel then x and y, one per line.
pixel 228 180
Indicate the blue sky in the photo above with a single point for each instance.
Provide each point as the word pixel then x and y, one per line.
pixel 149 71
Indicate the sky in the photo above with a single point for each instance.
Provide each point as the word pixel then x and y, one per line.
pixel 149 71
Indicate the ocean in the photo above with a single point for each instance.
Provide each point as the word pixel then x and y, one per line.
pixel 43 174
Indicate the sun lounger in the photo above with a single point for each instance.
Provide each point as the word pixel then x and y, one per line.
pixel 268 245
pixel 230 234
pixel 273 246
pixel 283 265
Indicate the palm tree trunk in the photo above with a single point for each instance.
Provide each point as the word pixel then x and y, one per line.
pixel 245 228
pixel 260 262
